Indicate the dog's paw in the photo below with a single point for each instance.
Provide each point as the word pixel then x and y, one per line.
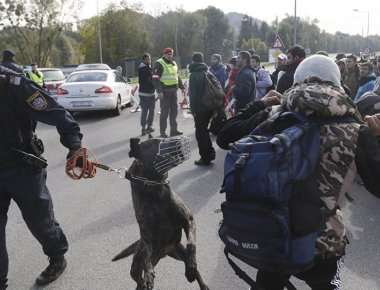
pixel 191 273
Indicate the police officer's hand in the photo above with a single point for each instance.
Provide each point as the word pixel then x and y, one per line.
pixel 373 123
pixel 272 98
pixel 78 165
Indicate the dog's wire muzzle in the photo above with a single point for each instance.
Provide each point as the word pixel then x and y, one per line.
pixel 172 152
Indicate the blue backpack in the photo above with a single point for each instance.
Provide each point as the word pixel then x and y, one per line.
pixel 261 172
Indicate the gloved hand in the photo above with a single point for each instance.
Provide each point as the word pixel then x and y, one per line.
pixel 78 166
pixel 373 123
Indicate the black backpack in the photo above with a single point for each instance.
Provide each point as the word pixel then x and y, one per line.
pixel 213 95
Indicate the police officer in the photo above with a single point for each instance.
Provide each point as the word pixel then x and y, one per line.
pixel 36 76
pixel 167 81
pixel 8 61
pixel 22 172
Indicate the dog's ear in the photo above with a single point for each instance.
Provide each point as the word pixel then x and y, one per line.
pixel 135 148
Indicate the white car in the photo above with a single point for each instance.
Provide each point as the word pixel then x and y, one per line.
pixel 94 90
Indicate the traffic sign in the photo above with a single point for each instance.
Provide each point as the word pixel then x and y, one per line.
pixel 278 43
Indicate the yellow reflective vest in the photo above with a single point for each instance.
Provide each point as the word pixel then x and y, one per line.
pixel 169 75
pixel 37 78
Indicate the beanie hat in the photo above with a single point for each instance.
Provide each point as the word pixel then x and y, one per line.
pixel 197 57
pixel 318 66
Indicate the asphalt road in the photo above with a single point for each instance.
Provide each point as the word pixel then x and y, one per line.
pixel 98 219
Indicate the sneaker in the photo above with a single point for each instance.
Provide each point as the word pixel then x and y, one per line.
pixel 144 132
pixel 56 267
pixel 176 133
pixel 150 130
pixel 202 162
pixel 164 135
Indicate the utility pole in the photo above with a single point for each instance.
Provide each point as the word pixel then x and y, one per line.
pixel 368 15
pixel 295 23
pixel 99 35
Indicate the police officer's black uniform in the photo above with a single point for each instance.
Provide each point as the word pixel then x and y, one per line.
pixel 22 103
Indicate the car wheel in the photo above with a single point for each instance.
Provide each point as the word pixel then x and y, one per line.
pixel 117 110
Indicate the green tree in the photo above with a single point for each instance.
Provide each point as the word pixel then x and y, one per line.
pixel 35 25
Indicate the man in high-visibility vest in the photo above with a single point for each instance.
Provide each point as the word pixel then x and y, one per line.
pixel 167 82
pixel 36 76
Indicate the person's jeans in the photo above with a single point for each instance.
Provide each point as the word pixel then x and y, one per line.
pixel 147 111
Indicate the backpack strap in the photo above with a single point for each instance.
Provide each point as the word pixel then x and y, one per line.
pixel 244 276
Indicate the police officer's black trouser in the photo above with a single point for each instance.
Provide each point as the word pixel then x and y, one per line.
pixel 27 187
pixel 169 108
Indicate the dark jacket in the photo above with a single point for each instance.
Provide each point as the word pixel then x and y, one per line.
pixel 368 160
pixel 220 72
pixel 287 79
pixel 197 85
pixel 157 73
pixel 22 104
pixel 13 66
pixel 244 90
pixel 146 86
pixel 242 124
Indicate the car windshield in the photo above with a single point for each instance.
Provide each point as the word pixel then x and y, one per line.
pixel 87 77
pixel 53 75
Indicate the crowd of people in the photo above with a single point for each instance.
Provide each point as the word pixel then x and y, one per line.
pixel 319 87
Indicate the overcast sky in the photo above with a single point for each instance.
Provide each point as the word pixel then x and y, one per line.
pixel 334 15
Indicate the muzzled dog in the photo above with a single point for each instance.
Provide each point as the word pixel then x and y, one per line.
pixel 160 213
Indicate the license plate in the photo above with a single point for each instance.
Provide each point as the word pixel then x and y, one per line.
pixel 81 104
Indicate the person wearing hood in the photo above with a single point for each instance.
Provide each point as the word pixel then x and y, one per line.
pixel 280 67
pixel 316 93
pixel 244 90
pixel 202 116
pixel 296 55
pixel 218 69
pixel 367 79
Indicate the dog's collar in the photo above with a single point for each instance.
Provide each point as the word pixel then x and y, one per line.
pixel 143 180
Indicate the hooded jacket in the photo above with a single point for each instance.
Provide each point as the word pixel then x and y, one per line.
pixel 244 90
pixel 197 81
pixel 286 80
pixel 220 72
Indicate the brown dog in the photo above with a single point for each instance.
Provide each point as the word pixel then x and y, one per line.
pixel 161 215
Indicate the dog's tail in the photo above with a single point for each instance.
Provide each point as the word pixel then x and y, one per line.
pixel 127 252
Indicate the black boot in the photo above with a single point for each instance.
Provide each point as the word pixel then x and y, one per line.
pixel 3 284
pixel 56 267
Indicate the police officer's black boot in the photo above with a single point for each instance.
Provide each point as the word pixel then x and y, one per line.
pixel 56 267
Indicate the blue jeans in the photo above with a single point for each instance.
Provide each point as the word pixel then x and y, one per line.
pixel 147 111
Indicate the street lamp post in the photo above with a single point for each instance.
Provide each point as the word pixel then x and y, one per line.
pixel 99 35
pixel 368 15
pixel 295 23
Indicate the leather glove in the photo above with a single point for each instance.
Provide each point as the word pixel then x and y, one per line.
pixel 78 166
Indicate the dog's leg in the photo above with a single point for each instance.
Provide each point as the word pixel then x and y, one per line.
pixel 148 267
pixel 127 252
pixel 180 254
pixel 137 267
pixel 188 224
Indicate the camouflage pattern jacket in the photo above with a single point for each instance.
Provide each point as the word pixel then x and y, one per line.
pixel 338 146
